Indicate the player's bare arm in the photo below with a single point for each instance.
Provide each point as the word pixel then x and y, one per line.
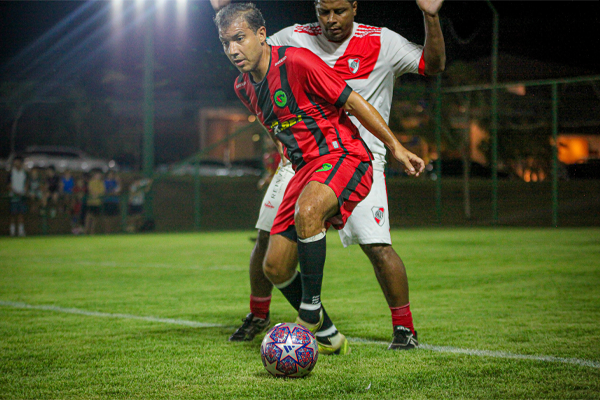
pixel 434 51
pixel 370 118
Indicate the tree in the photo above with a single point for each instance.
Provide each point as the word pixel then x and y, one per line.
pixel 17 97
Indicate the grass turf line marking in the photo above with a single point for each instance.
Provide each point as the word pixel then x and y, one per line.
pixel 193 324
pixel 488 353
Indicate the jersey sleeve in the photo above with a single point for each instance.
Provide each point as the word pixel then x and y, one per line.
pixel 403 55
pixel 283 37
pixel 319 79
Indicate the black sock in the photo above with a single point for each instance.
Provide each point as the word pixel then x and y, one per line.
pixel 292 290
pixel 311 254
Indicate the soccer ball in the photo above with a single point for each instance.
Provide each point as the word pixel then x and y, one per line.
pixel 289 350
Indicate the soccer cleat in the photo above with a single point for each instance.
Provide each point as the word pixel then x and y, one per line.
pixel 336 344
pixel 251 327
pixel 403 339
pixel 312 327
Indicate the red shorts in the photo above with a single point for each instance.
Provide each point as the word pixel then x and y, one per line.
pixel 349 177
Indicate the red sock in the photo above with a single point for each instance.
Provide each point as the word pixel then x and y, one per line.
pixel 259 306
pixel 402 316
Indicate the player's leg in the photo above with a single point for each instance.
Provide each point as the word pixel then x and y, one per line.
pixel 258 319
pixel 369 226
pixel 317 203
pixel 391 275
pixel 280 266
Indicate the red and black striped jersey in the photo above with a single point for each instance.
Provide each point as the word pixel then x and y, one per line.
pixel 300 100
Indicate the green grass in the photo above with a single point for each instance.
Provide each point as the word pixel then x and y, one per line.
pixel 519 291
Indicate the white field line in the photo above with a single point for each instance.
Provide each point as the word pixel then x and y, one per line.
pixel 193 324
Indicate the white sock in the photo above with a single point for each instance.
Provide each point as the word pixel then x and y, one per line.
pixel 21 230
pixel 12 229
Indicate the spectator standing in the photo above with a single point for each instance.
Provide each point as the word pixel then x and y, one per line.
pixel 76 210
pixel 95 193
pixel 112 187
pixel 67 183
pixel 17 190
pixel 52 191
pixel 137 198
pixel 35 189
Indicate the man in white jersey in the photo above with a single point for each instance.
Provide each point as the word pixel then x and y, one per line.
pixel 17 191
pixel 369 59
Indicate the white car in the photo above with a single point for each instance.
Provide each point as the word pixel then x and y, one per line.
pixel 62 158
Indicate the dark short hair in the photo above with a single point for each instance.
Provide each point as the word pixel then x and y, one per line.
pixel 248 11
pixel 349 1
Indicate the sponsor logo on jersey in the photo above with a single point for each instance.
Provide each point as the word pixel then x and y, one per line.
pixel 278 63
pixel 353 64
pixel 379 215
pixel 239 85
pixel 281 126
pixel 280 98
pixel 269 205
pixel 325 167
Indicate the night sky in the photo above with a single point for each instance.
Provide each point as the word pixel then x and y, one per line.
pixel 561 32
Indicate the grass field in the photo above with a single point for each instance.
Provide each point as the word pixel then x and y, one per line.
pixel 504 313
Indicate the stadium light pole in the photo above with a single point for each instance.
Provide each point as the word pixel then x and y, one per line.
pixel 494 127
pixel 148 146
pixel 555 155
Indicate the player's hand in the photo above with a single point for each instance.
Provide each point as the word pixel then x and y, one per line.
pixel 429 7
pixel 413 164
pixel 218 4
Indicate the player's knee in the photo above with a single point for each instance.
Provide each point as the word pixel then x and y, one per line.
pixel 307 220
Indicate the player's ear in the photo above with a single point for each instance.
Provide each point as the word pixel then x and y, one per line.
pixel 354 7
pixel 262 35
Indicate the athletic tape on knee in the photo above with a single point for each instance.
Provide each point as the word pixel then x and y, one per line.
pixel 311 239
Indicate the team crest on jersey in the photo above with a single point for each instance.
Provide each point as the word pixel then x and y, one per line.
pixel 280 98
pixel 353 64
pixel 379 215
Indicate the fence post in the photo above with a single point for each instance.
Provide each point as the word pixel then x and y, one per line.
pixel 555 154
pixel 197 204
pixel 438 144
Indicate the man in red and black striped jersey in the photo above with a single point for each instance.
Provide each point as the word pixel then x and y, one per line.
pixel 303 104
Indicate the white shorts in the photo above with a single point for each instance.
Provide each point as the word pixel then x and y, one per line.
pixel 273 197
pixel 370 222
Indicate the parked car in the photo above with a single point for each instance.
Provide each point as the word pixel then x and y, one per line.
pixel 210 168
pixel 62 158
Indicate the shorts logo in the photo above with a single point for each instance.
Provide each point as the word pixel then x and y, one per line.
pixel 353 64
pixel 325 167
pixel 379 215
pixel 269 205
pixel 280 98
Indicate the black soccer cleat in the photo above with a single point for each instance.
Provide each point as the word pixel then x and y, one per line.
pixel 251 327
pixel 403 339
